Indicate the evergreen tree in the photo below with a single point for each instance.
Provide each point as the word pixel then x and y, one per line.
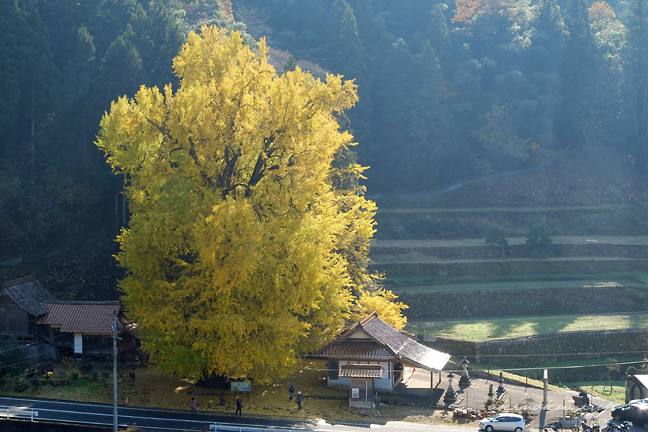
pixel 348 57
pixel 12 63
pixel 79 75
pixel 635 57
pixel 364 14
pixel 578 74
pixel 394 92
pixel 39 88
pixel 158 38
pixel 438 35
pixel 290 65
pixel 345 47
pixel 430 126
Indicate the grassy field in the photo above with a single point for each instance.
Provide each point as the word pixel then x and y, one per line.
pixel 504 328
pixel 419 258
pixel 615 392
pixel 513 285
pixel 153 389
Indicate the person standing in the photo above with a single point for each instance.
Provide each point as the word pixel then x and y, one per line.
pixel 193 406
pixel 291 389
pixel 239 405
pixel 300 398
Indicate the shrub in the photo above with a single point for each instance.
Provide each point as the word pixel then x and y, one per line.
pixel 538 240
pixel 496 235
pixel 13 358
pixel 493 403
pixel 86 367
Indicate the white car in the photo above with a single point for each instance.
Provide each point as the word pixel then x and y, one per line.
pixel 503 422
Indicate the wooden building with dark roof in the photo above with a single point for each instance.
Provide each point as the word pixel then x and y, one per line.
pixel 22 304
pixel 371 356
pixel 84 328
pixel 80 329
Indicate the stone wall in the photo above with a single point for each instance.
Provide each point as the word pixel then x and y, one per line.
pixel 546 301
pixel 512 267
pixel 422 224
pixel 487 251
pixel 551 348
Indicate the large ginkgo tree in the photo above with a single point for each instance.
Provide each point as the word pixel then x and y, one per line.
pixel 241 253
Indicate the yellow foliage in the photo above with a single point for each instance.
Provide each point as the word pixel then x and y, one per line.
pixel 240 254
pixel 383 302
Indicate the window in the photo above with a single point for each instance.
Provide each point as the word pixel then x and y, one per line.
pixel 333 368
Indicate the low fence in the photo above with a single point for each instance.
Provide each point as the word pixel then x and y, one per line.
pixel 250 428
pixel 18 413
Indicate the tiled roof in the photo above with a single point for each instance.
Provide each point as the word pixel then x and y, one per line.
pixel 356 351
pixel 82 317
pixel 402 344
pixel 29 294
pixel 361 371
pixel 384 340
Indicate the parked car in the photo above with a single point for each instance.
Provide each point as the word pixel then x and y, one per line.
pixel 636 412
pixel 503 422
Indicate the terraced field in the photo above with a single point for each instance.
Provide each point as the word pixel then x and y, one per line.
pixel 592 277
pixel 516 327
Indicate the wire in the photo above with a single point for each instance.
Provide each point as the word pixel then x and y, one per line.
pixel 561 354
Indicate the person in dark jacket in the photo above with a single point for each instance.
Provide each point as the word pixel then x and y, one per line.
pixel 300 398
pixel 291 389
pixel 239 405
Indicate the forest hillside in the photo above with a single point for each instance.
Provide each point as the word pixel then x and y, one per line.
pixel 449 92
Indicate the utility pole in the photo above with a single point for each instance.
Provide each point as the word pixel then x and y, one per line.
pixel 545 378
pixel 114 329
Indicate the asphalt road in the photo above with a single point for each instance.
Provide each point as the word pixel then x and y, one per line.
pixel 156 419
pixel 165 420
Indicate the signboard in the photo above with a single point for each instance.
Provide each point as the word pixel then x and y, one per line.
pixel 241 386
pixel 355 393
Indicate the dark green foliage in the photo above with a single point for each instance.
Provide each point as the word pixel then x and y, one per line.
pixel 497 236
pixel 290 65
pixel 441 100
pixel 86 366
pixel 13 358
pixel 579 73
pixel 636 84
pixel 61 64
pixel 538 240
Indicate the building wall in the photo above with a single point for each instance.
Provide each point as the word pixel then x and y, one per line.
pixel 386 383
pixel 14 321
pixel 634 390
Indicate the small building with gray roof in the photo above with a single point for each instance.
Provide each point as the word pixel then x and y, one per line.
pixel 371 357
